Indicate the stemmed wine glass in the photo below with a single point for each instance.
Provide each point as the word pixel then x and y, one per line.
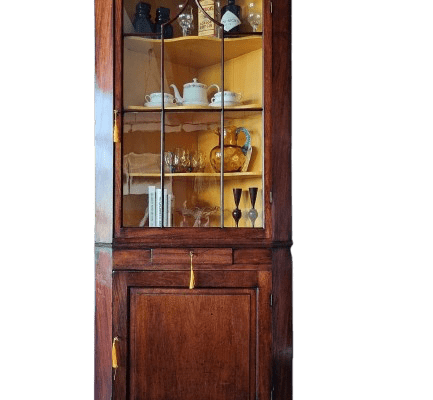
pixel 253 214
pixel 185 20
pixel 254 16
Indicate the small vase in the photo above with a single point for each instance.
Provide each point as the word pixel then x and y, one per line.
pixel 237 214
pixel 253 214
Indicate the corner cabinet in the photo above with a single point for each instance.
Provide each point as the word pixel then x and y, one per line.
pixel 193 200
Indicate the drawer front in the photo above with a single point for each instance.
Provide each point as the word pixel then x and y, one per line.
pixel 131 259
pixel 200 256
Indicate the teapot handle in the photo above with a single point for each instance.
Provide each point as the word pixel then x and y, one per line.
pixel 247 144
pixel 214 85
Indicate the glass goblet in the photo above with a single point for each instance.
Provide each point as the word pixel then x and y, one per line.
pixel 254 17
pixel 197 162
pixel 176 160
pixel 185 20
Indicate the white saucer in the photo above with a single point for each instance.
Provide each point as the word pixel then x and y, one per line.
pixel 194 104
pixel 149 104
pixel 226 104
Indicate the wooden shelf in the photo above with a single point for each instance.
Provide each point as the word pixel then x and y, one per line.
pixel 244 107
pixel 200 175
pixel 189 50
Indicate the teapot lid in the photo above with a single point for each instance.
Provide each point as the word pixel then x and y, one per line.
pixel 195 83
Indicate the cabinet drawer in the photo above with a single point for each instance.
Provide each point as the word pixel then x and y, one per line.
pixel 128 259
pixel 200 256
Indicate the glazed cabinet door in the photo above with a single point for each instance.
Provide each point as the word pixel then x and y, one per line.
pixel 192 121
pixel 212 342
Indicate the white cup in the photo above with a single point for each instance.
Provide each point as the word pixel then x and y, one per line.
pixel 229 97
pixel 155 98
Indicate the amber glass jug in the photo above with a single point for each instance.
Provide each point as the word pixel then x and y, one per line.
pixel 234 155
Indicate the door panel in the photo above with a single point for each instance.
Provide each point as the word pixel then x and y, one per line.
pixel 184 342
pixel 210 343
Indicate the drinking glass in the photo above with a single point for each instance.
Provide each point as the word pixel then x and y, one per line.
pixel 185 161
pixel 254 16
pixel 169 161
pixel 185 20
pixel 176 160
pixel 197 162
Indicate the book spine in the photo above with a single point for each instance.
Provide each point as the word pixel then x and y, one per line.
pixel 169 216
pixel 165 208
pixel 152 207
pixel 158 207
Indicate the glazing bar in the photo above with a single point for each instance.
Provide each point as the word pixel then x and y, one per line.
pixel 162 126
pixel 163 109
pixel 221 26
pixel 222 128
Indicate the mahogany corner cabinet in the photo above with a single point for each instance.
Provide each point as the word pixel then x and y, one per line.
pixel 193 200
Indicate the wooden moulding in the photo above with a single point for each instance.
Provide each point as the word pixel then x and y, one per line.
pixel 166 259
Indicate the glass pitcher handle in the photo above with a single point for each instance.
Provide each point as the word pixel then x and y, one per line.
pixel 247 144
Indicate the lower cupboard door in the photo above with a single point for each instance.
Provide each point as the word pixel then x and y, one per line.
pixel 199 344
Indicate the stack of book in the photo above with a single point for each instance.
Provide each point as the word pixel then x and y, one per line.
pixel 155 207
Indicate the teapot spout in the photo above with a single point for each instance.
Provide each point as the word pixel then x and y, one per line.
pixel 177 95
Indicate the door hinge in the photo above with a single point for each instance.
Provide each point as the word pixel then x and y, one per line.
pixel 270 197
pixel 270 5
pixel 271 301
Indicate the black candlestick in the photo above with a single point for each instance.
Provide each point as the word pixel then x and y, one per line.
pixel 237 214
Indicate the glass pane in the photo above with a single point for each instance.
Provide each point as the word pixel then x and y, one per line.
pixel 243 151
pixel 192 91
pixel 141 169
pixel 193 76
pixel 195 185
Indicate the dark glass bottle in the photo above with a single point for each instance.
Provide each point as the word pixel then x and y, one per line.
pixel 163 16
pixel 142 22
pixel 232 20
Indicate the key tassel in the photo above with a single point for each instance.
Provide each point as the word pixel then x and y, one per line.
pixel 114 353
pixel 192 279
pixel 116 138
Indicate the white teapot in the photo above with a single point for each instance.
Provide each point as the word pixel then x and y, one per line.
pixel 194 93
